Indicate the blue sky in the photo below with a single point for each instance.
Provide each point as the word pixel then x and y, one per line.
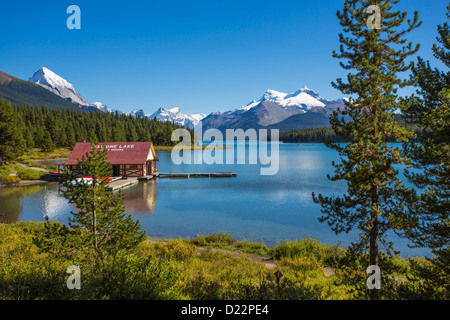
pixel 201 56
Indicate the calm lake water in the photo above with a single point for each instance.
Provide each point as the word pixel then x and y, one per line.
pixel 268 208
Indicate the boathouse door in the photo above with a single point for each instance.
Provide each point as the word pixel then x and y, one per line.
pixel 116 170
pixel 151 169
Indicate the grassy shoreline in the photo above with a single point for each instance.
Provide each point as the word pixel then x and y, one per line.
pixel 216 267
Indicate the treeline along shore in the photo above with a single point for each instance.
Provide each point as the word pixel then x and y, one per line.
pixel 46 128
pixel 321 134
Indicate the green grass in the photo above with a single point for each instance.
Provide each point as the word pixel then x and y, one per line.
pixel 28 159
pixel 9 167
pixel 38 154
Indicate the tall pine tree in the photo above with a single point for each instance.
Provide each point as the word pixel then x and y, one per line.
pixel 47 143
pixel 430 109
pixel 99 226
pixel 374 200
pixel 11 142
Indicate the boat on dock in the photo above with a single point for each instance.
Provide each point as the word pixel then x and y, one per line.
pixel 113 183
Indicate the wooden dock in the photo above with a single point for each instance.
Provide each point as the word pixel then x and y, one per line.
pixel 199 175
pixel 149 177
pixel 121 183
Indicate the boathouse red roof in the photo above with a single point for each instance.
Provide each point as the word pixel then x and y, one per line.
pixel 118 152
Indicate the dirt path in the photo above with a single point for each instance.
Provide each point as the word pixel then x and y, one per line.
pixel 26 182
pixel 267 261
pixel 14 173
pixel 33 168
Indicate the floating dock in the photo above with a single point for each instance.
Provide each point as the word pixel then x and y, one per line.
pixel 199 175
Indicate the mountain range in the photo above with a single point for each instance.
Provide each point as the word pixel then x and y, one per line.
pixel 303 108
pixel 188 120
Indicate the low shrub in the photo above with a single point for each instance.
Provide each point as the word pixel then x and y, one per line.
pixel 129 276
pixel 178 249
pixel 301 263
pixel 309 248
pixel 10 179
pixel 252 247
pixel 214 239
pixel 4 170
pixel 30 174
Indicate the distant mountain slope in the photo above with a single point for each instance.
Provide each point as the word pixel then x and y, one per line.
pixel 18 91
pixel 311 119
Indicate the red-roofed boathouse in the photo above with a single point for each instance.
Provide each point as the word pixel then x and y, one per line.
pixel 127 159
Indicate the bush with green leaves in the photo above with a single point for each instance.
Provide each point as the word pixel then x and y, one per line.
pixel 9 179
pixel 307 248
pixel 216 239
pixel 30 174
pixel 177 249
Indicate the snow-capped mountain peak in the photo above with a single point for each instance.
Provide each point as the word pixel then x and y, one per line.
pixel 138 113
pixel 174 110
pixel 102 107
pixel 308 91
pixel 47 77
pixel 274 95
pixel 305 99
pixel 58 85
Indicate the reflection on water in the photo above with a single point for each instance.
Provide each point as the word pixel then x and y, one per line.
pixel 141 198
pixel 36 202
pixel 10 204
pixel 259 208
pixel 54 206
